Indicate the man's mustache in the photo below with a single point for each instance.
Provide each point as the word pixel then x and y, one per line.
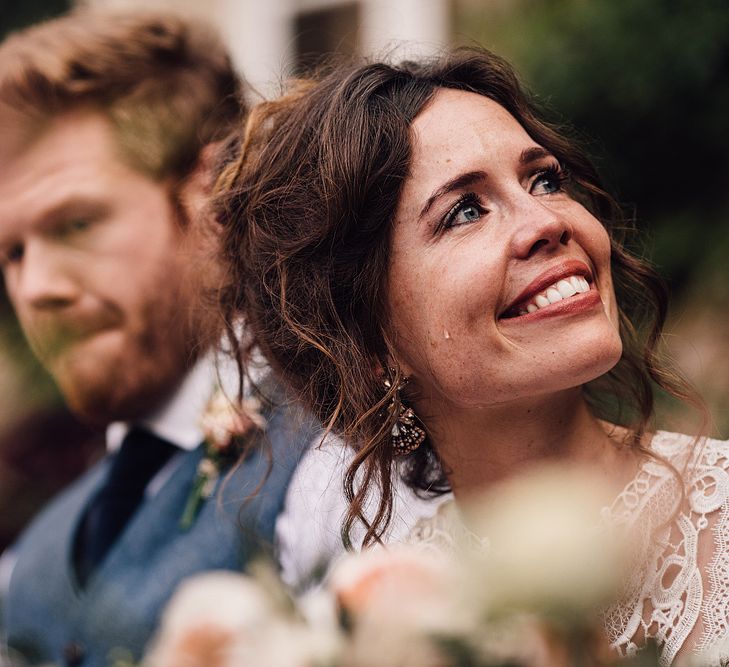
pixel 52 333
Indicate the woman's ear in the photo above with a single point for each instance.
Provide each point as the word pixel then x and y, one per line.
pixel 392 361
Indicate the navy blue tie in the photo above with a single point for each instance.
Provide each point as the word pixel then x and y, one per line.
pixel 141 455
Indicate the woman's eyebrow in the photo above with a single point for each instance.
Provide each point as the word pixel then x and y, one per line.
pixel 534 154
pixel 527 156
pixel 461 181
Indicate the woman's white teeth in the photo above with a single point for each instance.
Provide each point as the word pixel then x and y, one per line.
pixel 565 288
pixel 553 295
pixel 562 289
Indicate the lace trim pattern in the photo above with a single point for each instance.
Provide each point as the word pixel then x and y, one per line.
pixel 712 494
pixel 665 594
pixel 667 597
pixel 446 533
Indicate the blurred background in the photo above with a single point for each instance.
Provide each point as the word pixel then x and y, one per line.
pixel 646 82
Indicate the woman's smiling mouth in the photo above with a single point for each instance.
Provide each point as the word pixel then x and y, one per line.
pixel 565 288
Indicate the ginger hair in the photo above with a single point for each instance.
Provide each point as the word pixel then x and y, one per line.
pixel 166 83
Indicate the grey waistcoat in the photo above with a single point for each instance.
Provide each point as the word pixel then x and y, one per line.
pixel 48 618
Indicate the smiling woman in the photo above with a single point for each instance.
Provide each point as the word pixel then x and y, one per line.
pixel 441 276
pixel 484 250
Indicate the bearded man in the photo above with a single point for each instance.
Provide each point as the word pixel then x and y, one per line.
pixel 109 127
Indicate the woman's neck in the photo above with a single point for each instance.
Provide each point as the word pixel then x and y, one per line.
pixel 487 445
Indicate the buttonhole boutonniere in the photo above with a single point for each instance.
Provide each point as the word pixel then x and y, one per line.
pixel 224 424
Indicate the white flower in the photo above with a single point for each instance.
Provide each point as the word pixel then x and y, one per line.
pixel 547 552
pixel 224 619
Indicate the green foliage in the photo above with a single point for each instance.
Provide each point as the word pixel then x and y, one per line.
pixel 14 15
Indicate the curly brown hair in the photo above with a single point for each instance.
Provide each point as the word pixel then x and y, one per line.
pixel 307 202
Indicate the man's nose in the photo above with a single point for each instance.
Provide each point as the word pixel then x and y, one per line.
pixel 540 228
pixel 44 279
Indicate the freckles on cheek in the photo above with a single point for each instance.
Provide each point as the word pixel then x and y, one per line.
pixel 416 320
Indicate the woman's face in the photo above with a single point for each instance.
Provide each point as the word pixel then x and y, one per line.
pixel 499 281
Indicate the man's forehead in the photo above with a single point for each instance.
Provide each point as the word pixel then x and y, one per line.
pixel 73 156
pixel 18 131
pixel 82 133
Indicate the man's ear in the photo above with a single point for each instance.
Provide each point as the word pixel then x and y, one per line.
pixel 196 190
pixel 201 233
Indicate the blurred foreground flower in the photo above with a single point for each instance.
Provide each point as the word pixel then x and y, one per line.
pixel 517 577
pixel 548 554
pixel 395 603
pixel 223 619
pixel 548 570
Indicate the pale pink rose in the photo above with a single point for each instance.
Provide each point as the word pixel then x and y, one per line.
pixel 382 576
pixel 225 419
pixel 397 599
pixel 211 620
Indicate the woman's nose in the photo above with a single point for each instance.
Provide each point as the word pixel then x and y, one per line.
pixel 539 228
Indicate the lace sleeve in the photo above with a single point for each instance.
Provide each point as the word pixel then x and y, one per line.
pixel 680 594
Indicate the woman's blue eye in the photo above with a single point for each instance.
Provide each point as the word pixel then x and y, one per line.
pixel 466 210
pixel 548 185
pixel 549 181
pixel 467 213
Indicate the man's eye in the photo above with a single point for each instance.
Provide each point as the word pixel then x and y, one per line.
pixel 12 254
pixel 78 225
pixel 73 226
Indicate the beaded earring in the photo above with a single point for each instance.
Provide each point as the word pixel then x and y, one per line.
pixel 406 434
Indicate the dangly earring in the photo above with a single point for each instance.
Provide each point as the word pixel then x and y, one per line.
pixel 406 434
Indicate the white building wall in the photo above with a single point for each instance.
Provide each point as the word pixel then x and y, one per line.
pixel 404 27
pixel 260 36
pixel 260 33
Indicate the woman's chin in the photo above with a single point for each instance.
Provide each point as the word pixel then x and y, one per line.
pixel 587 362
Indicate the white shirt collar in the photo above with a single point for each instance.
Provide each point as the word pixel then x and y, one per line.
pixel 178 419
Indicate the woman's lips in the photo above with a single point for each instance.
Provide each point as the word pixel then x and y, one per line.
pixel 553 290
pixel 574 304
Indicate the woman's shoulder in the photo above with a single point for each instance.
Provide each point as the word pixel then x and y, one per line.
pixel 682 465
pixel 309 529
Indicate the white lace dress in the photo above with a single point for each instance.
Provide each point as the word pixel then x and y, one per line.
pixel 680 596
